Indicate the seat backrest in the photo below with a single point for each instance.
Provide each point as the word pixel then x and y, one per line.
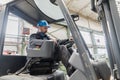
pixel 41 48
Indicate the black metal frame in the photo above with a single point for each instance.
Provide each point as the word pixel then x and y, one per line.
pixel 88 68
pixel 109 18
pixel 4 14
pixel 112 37
pixel 10 64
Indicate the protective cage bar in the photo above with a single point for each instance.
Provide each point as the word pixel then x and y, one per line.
pixel 3 23
pixel 107 15
pixel 88 68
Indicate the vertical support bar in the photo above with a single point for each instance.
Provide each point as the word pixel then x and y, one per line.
pixel 92 38
pixel 116 17
pixel 88 68
pixel 108 43
pixel 3 23
pixel 68 32
pixel 113 35
pixel 93 42
pixel 18 40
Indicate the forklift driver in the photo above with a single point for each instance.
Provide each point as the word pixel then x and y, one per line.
pixel 60 51
pixel 42 30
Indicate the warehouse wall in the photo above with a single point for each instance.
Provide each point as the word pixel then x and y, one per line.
pixel 57 31
pixel 91 31
pixel 93 36
pixel 90 24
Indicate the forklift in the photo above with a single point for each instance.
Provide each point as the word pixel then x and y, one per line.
pixel 86 68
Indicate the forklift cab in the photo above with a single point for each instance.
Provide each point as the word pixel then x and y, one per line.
pixel 32 11
pixel 28 11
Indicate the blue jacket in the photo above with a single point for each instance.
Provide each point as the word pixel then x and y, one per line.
pixel 40 35
pixel 43 36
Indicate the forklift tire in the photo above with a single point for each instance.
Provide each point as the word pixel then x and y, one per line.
pixel 102 70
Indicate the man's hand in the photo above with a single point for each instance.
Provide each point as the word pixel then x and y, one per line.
pixel 54 40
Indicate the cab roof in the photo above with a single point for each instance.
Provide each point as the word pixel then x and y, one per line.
pixel 27 10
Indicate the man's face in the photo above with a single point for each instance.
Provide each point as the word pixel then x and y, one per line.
pixel 43 29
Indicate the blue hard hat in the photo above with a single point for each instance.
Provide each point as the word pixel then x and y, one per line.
pixel 43 23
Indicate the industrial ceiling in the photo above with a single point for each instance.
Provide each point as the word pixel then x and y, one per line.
pixel 76 6
pixel 81 7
